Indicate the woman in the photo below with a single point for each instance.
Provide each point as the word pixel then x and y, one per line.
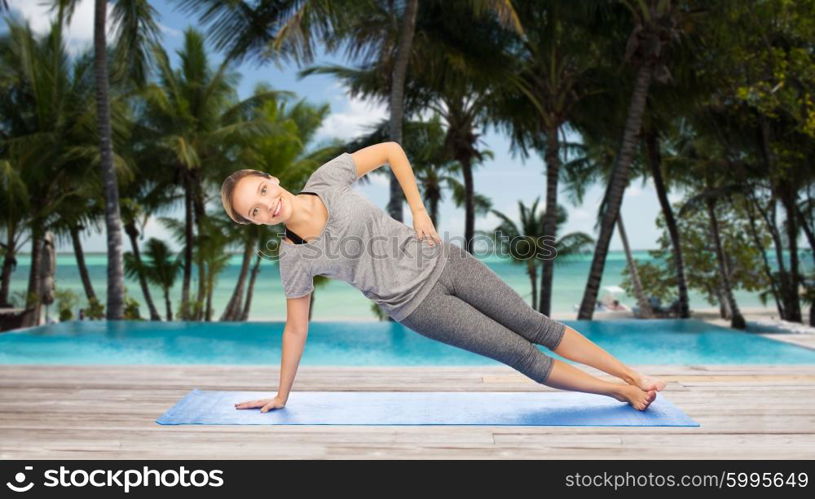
pixel 432 287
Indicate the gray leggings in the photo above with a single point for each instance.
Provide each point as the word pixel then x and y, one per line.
pixel 471 307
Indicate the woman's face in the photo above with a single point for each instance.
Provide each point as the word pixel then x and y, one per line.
pixel 261 200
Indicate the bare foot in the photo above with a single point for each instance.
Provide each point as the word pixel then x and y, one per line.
pixel 639 399
pixel 646 383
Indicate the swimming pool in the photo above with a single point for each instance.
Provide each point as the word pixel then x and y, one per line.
pixel 368 344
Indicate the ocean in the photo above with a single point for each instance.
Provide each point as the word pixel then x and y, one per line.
pixel 340 301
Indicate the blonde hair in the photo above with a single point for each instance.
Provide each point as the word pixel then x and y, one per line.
pixel 228 188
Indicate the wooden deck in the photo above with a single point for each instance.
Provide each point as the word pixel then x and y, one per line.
pixel 109 412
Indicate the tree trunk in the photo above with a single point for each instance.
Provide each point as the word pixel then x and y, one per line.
pixel 250 289
pixel 210 288
pixel 532 272
pixel 784 284
pixel 617 184
pixel 469 201
pixel 552 158
pixel 433 209
pixel 645 306
pixel 788 200
pixel 768 271
pixel 79 254
pixel 9 264
pixel 811 239
pixel 32 298
pixel 198 305
pixel 113 222
pixel 772 228
pixel 133 234
pixel 789 282
pixel 168 305
pixel 724 307
pixel 808 231
pixel 736 320
pixel 655 162
pixel 48 270
pixel 188 242
pixel 200 214
pixel 397 98
pixel 397 102
pixel 233 310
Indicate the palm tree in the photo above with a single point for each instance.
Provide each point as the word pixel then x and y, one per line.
pixel 655 24
pixel 432 169
pixel 210 254
pixel 593 159
pixel 527 243
pixel 282 154
pixel 13 196
pixel 263 30
pixel 135 215
pixel 506 15
pixel 651 141
pixel 159 267
pixel 665 125
pixel 760 101
pixel 644 305
pixel 14 205
pixel 113 222
pixel 54 94
pixel 81 210
pixel 425 140
pixel 198 122
pixel 137 30
pixel 557 67
pixel 457 65
pixel 714 183
pixel 707 199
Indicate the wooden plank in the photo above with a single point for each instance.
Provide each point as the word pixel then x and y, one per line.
pixel 108 412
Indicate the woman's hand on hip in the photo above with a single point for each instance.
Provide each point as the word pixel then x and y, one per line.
pixel 424 227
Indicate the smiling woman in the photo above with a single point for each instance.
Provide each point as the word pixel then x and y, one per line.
pixel 228 190
pixel 437 290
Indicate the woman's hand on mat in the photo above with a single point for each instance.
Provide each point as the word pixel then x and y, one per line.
pixel 424 227
pixel 265 405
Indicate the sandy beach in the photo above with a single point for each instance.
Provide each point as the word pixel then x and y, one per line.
pixel 761 315
pixel 761 320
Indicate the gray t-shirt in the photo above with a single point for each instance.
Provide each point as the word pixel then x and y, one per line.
pixel 361 245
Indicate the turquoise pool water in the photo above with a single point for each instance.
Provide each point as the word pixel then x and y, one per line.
pixel 368 344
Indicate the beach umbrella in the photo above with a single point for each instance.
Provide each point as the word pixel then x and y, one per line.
pixel 610 295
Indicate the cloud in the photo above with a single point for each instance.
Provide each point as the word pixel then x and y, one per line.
pixel 168 30
pixel 427 114
pixel 78 35
pixel 355 120
pixel 675 196
pixel 154 228
pixel 579 214
pixel 380 180
pixel 637 189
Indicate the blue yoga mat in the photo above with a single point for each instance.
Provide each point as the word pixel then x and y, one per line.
pixel 560 408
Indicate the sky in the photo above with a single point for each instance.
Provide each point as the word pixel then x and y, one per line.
pixel 505 179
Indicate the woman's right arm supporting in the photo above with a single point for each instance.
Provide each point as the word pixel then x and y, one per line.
pixel 294 339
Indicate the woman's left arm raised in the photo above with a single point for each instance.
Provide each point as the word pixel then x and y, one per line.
pixel 372 157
